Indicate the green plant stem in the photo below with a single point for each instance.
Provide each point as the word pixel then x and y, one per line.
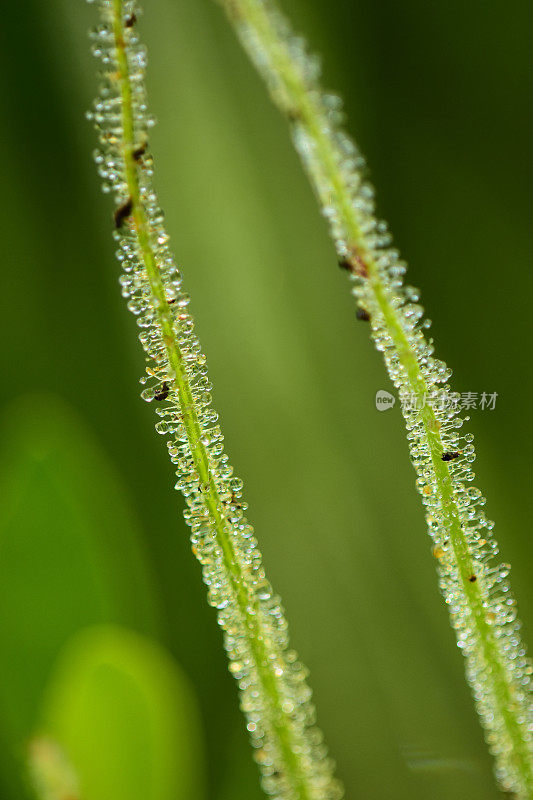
pixel 291 93
pixel 249 609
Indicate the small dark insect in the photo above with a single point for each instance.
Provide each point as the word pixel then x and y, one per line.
pixel 123 212
pixel 345 264
pixel 130 21
pixel 472 579
pixel 362 314
pixel 171 300
pixel 139 152
pixel 449 456
pixel 233 501
pixel 162 394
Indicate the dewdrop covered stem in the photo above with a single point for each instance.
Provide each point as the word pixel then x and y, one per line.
pixel 274 695
pixel 476 590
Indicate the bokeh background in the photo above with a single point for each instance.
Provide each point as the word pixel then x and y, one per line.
pixel 439 97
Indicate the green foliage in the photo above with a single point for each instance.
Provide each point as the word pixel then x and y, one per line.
pixel 126 719
pixel 438 95
pixel 69 548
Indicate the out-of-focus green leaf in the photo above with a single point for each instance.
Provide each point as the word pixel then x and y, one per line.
pixel 68 547
pixel 126 719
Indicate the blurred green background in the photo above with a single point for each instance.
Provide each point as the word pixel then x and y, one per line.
pixel 439 97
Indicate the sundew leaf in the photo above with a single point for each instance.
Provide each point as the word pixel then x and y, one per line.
pixel 274 696
pixel 68 546
pixel 125 718
pixel 475 588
